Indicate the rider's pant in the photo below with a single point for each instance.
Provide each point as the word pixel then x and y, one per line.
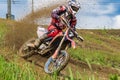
pixel 38 41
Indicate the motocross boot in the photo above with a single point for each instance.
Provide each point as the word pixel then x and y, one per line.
pixel 37 42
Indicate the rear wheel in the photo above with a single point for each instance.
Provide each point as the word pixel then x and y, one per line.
pixel 24 50
pixel 55 66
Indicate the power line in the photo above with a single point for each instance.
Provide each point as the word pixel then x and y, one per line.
pixel 84 3
pixel 12 1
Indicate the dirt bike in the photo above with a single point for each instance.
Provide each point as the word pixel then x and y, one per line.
pixel 53 46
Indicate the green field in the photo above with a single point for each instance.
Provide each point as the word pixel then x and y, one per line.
pixel 100 47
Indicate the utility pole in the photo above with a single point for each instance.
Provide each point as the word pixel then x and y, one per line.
pixel 32 6
pixel 8 15
pixel 32 11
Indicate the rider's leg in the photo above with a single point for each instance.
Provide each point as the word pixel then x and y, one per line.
pixel 38 41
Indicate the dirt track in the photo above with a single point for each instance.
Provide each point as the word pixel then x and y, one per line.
pixel 102 73
pixel 98 71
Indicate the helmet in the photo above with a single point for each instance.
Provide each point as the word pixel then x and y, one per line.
pixel 74 6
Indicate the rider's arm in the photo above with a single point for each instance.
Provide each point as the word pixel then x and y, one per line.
pixel 56 13
pixel 73 22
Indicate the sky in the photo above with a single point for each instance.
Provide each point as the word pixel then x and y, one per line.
pixel 103 14
pixel 18 8
pixel 94 14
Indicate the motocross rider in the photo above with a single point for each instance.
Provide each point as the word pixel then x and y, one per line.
pixel 56 25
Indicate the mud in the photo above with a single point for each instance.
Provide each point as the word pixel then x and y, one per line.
pixel 25 28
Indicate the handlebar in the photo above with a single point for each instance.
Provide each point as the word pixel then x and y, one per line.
pixel 80 38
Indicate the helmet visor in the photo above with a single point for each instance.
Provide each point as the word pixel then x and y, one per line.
pixel 74 8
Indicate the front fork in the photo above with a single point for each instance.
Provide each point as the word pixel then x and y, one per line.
pixel 54 56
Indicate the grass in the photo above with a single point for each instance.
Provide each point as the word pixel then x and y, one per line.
pixel 3 29
pixel 100 48
pixel 114 77
pixel 95 57
pixel 12 71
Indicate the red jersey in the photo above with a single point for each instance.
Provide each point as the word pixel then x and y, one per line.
pixel 56 25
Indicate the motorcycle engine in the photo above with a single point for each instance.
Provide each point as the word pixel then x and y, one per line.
pixel 42 46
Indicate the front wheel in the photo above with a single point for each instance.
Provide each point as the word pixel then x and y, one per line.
pixel 55 66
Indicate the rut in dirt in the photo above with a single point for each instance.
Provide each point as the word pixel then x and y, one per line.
pixel 76 65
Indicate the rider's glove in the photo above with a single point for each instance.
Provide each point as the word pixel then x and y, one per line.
pixel 58 17
pixel 76 33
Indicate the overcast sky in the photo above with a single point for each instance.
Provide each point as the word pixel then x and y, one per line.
pixel 94 14
pixel 99 14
